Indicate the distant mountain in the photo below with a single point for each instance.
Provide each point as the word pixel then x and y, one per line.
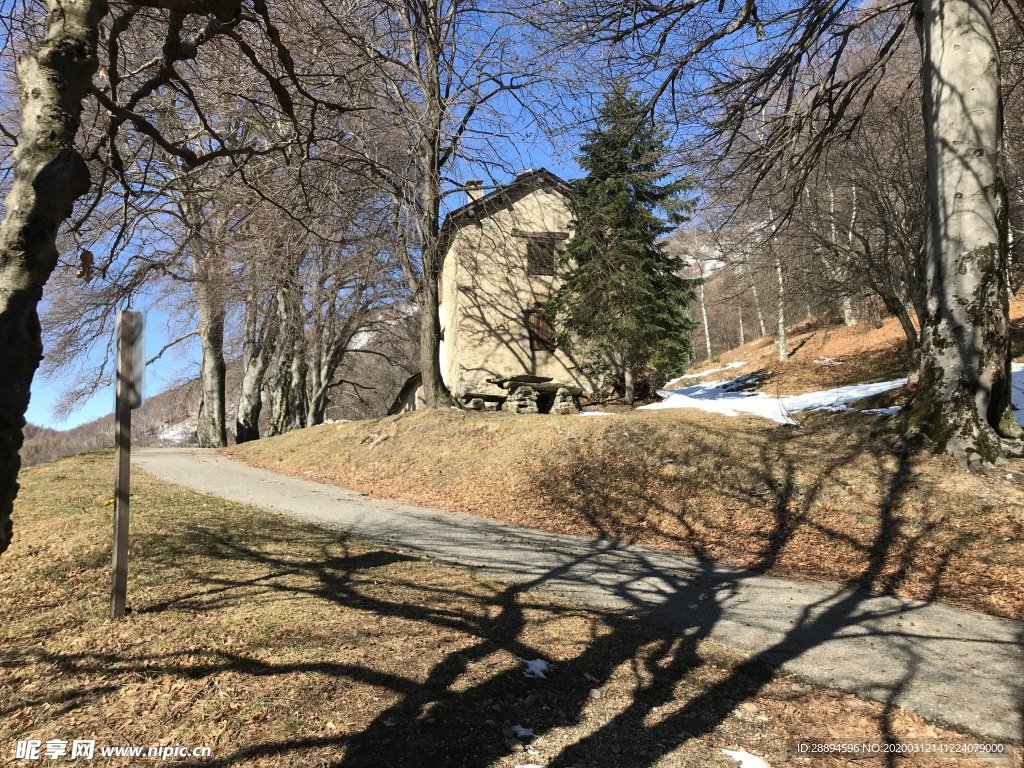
pixel 164 419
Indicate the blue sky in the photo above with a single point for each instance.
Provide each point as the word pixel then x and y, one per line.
pixel 176 366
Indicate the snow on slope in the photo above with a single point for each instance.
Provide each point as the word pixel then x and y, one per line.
pixel 705 374
pixel 714 396
pixel 746 759
pixel 178 433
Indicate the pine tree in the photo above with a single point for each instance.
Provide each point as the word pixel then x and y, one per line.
pixel 623 300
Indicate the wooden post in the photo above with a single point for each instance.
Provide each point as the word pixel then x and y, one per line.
pixel 129 396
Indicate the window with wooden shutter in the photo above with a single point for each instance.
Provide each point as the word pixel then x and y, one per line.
pixel 540 257
pixel 540 330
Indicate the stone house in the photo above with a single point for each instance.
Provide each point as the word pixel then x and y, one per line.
pixel 500 267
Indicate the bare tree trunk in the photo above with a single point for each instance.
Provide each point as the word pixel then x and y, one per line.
pixel 899 309
pixel 849 317
pixel 317 409
pixel 435 393
pixel 49 175
pixel 757 309
pixel 288 387
pixel 781 338
pixel 283 416
pixel 831 268
pixel 211 431
pixel 629 384
pixel 281 382
pixel 258 349
pixel 1010 260
pixel 250 399
pixel 742 335
pixel 962 401
pixel 299 411
pixel 704 319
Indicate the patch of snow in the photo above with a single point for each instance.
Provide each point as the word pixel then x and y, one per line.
pixel 1017 387
pixel 523 733
pixel 176 433
pixel 892 410
pixel 704 374
pixel 360 339
pixel 745 759
pixel 596 413
pixel 827 361
pixel 536 668
pixel 716 397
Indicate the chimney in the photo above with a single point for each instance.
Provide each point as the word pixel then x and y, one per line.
pixel 474 190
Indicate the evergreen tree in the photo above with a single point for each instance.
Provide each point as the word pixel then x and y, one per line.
pixel 623 300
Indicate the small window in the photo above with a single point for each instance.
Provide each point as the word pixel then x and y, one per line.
pixel 540 257
pixel 540 330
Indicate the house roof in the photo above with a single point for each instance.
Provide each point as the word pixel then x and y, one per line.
pixel 474 210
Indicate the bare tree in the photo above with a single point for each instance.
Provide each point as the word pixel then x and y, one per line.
pixel 453 79
pixel 50 168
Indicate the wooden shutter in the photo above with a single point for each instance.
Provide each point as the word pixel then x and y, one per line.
pixel 540 257
pixel 540 329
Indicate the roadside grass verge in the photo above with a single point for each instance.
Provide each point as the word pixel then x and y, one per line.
pixel 277 643
pixel 833 499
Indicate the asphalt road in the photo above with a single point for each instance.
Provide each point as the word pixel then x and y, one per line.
pixel 953 666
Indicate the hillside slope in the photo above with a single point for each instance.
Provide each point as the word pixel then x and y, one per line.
pixel 821 357
pixel 832 497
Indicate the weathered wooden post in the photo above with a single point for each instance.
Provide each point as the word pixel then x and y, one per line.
pixel 128 397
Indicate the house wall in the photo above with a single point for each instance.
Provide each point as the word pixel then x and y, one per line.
pixel 485 291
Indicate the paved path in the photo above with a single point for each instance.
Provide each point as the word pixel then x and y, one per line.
pixel 953 666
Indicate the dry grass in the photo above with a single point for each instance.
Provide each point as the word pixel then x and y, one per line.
pixel 834 499
pixel 281 644
pixel 865 354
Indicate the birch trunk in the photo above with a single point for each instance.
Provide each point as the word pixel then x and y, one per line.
pixel 258 349
pixel 704 320
pixel 48 176
pixel 962 401
pixel 849 317
pixel 833 270
pixel 781 339
pixel 211 430
pixel 757 309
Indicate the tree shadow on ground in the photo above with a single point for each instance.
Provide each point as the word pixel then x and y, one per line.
pixel 459 712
